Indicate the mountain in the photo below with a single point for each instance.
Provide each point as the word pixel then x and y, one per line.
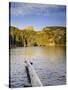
pixel 29 37
pixel 28 28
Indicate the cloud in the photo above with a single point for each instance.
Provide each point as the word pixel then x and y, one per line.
pixel 19 8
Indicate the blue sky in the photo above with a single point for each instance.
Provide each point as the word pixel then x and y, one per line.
pixel 37 15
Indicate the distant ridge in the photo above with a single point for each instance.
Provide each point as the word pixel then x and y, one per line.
pixel 28 28
pixel 53 28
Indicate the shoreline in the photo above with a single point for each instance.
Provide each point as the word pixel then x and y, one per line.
pixel 36 46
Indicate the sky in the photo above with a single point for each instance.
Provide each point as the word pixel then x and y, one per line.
pixel 36 15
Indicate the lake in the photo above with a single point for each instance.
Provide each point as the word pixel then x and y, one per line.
pixel 49 63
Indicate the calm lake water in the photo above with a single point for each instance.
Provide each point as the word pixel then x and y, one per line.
pixel 49 63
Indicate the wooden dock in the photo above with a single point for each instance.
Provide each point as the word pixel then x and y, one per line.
pixel 32 75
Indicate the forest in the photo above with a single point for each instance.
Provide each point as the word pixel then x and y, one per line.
pixel 47 36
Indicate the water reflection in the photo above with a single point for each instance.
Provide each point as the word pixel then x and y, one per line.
pixel 51 51
pixel 54 52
